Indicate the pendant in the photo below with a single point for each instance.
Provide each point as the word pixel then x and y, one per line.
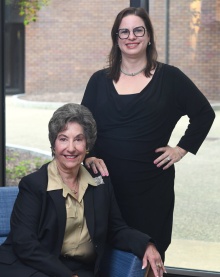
pixel 74 191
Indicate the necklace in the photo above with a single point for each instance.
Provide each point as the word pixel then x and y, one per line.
pixel 74 190
pixel 132 74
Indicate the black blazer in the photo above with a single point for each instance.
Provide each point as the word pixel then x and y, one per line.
pixel 38 224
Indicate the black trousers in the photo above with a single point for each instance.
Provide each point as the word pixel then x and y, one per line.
pixel 78 268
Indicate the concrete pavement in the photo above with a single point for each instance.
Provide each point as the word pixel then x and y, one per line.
pixel 196 233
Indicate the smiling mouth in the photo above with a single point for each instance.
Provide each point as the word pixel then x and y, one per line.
pixel 70 156
pixel 132 44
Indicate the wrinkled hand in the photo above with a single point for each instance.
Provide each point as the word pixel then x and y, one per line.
pixel 169 156
pixel 97 165
pixel 153 257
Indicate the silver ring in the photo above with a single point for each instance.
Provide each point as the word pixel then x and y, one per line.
pixel 158 265
pixel 168 158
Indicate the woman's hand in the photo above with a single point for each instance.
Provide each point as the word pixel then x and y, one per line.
pixel 153 257
pixel 169 156
pixel 97 165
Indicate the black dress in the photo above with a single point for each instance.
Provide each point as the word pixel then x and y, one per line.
pixel 131 127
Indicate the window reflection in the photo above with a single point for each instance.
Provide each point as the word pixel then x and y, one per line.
pixel 194 47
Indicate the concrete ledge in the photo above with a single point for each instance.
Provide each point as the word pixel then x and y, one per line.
pixel 37 104
pixel 35 151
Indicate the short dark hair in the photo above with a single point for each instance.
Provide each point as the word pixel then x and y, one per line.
pixel 72 112
pixel 114 59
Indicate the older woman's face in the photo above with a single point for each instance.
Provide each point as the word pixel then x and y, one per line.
pixel 70 147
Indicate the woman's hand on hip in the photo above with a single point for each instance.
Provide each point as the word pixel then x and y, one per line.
pixel 169 156
pixel 97 165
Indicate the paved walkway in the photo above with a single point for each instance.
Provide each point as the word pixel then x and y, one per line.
pixel 197 208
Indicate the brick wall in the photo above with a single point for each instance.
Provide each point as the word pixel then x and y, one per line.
pixel 69 42
pixel 194 44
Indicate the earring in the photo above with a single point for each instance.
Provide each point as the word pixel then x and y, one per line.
pixel 87 152
pixel 149 43
pixel 52 150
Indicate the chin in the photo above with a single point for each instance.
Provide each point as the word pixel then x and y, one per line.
pixel 71 165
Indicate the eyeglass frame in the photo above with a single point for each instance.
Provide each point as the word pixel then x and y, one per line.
pixel 132 31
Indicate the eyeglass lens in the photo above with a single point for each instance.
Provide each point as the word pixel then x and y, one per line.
pixel 138 32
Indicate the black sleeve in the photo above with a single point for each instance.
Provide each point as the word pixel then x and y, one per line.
pixel 191 102
pixel 24 228
pixel 89 101
pixel 90 94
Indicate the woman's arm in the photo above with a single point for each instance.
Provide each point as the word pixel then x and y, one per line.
pixel 185 99
pixel 191 102
pixel 89 101
pixel 25 228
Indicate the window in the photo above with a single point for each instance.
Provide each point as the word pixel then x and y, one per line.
pixel 192 43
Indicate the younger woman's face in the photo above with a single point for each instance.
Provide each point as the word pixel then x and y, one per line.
pixel 133 46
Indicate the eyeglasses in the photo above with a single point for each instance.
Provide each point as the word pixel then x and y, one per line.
pixel 125 33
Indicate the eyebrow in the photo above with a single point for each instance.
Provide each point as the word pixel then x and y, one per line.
pixel 79 135
pixel 132 29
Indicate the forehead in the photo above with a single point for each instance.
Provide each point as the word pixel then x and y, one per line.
pixel 131 21
pixel 72 127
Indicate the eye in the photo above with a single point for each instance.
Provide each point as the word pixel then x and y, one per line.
pixel 124 31
pixel 138 30
pixel 79 138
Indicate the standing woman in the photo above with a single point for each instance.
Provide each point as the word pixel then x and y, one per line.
pixel 136 103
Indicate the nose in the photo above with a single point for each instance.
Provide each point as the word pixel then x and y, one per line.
pixel 71 146
pixel 131 36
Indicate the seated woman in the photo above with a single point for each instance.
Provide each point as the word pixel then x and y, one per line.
pixel 63 217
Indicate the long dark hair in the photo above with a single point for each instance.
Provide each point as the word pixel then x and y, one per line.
pixel 114 58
